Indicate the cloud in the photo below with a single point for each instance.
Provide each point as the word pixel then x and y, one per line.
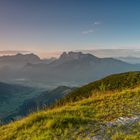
pixel 92 29
pixel 97 23
pixel 12 52
pixel 87 32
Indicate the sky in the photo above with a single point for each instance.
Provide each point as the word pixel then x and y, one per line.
pixel 44 26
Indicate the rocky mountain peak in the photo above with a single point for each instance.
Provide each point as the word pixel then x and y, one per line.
pixel 76 56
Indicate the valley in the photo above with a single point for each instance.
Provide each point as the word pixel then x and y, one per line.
pixel 106 109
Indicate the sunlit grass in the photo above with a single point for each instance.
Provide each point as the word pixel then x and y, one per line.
pixel 76 119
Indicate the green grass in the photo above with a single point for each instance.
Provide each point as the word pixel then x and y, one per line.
pixel 82 119
pixel 131 132
pixel 114 82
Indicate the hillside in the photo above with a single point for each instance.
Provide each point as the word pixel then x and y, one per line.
pixel 106 113
pixel 111 83
pixel 45 99
pixel 26 100
pixel 12 96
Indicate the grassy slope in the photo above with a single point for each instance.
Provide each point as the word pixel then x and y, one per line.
pixel 114 82
pixel 82 119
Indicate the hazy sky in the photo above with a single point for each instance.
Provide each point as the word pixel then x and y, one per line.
pixel 53 25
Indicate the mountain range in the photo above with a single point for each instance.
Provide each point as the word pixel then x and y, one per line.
pixel 70 69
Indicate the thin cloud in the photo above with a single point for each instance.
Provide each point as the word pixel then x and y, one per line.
pixel 12 52
pixel 97 23
pixel 87 32
pixel 91 30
